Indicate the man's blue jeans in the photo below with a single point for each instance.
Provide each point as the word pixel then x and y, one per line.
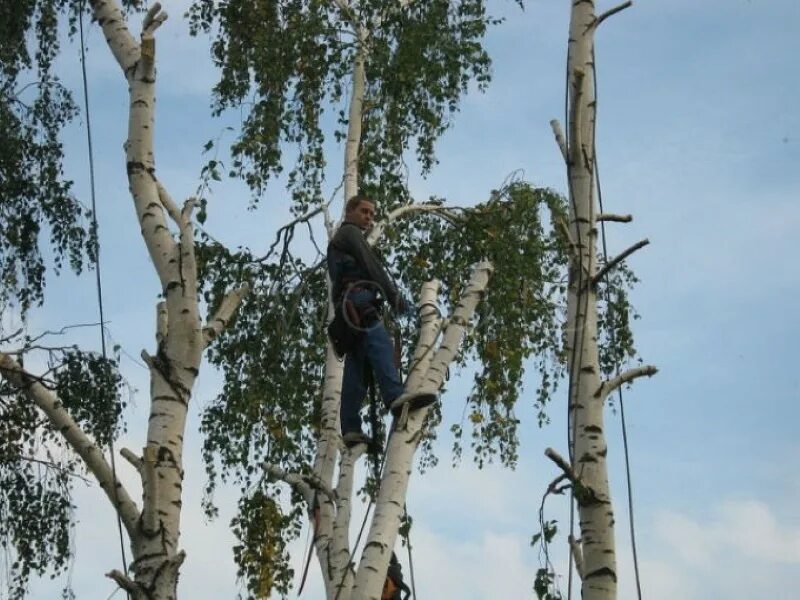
pixel 374 350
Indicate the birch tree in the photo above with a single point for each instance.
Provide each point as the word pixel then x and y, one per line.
pixel 153 530
pixel 590 380
pixel 278 415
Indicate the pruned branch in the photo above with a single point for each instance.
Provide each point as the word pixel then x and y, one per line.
pixel 558 132
pixel 305 484
pixel 613 217
pixel 616 260
pixel 222 316
pixel 154 18
pixel 135 461
pixel 168 203
pixel 563 465
pixel 612 11
pixel 80 442
pixel 122 581
pixel 607 387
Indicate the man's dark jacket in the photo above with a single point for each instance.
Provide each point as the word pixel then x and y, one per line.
pixel 351 259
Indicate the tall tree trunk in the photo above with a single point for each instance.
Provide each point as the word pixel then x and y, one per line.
pixel 594 553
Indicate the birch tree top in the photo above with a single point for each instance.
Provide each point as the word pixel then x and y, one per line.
pixel 287 64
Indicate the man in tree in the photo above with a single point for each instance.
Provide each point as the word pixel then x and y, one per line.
pixel 360 285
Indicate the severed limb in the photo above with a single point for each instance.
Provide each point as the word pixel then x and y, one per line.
pixel 618 259
pixel 607 387
pixel 305 484
pixel 614 218
pixel 223 315
pixel 558 132
pixel 611 12
pixel 134 460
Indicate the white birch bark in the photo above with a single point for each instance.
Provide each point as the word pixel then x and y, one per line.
pixel 154 532
pixel 595 551
pixel 427 374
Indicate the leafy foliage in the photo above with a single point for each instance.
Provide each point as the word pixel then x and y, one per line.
pixel 272 356
pixel 518 319
pixel 288 63
pixel 261 546
pixel 37 468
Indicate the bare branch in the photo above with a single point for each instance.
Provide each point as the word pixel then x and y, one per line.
pixel 612 384
pixel 154 18
pixel 563 465
pixel 122 581
pixel 168 203
pixel 560 140
pixel 220 320
pixel 132 458
pixel 305 484
pixel 63 422
pixel 618 259
pixel 612 11
pixel 613 217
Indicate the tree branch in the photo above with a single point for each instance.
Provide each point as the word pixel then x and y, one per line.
pixel 612 11
pixel 613 217
pixel 123 45
pixel 132 458
pixel 63 422
pixel 563 465
pixel 607 387
pixel 560 140
pixel 168 203
pixel 222 316
pixel 122 581
pixel 438 209
pixel 616 260
pixel 305 484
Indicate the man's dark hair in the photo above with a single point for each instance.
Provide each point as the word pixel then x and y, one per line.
pixel 354 201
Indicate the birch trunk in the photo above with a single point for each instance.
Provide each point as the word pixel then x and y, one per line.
pixel 588 452
pixel 594 553
pixel 427 374
pixel 154 532
pixel 331 525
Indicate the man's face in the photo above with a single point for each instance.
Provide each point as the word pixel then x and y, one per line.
pixel 362 215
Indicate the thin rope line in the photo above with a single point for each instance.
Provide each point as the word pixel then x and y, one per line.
pixel 97 270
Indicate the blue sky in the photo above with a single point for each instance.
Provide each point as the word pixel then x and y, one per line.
pixel 698 138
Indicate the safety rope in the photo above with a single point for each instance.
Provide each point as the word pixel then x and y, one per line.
pixel 97 270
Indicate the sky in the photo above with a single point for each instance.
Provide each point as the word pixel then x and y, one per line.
pixel 699 139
